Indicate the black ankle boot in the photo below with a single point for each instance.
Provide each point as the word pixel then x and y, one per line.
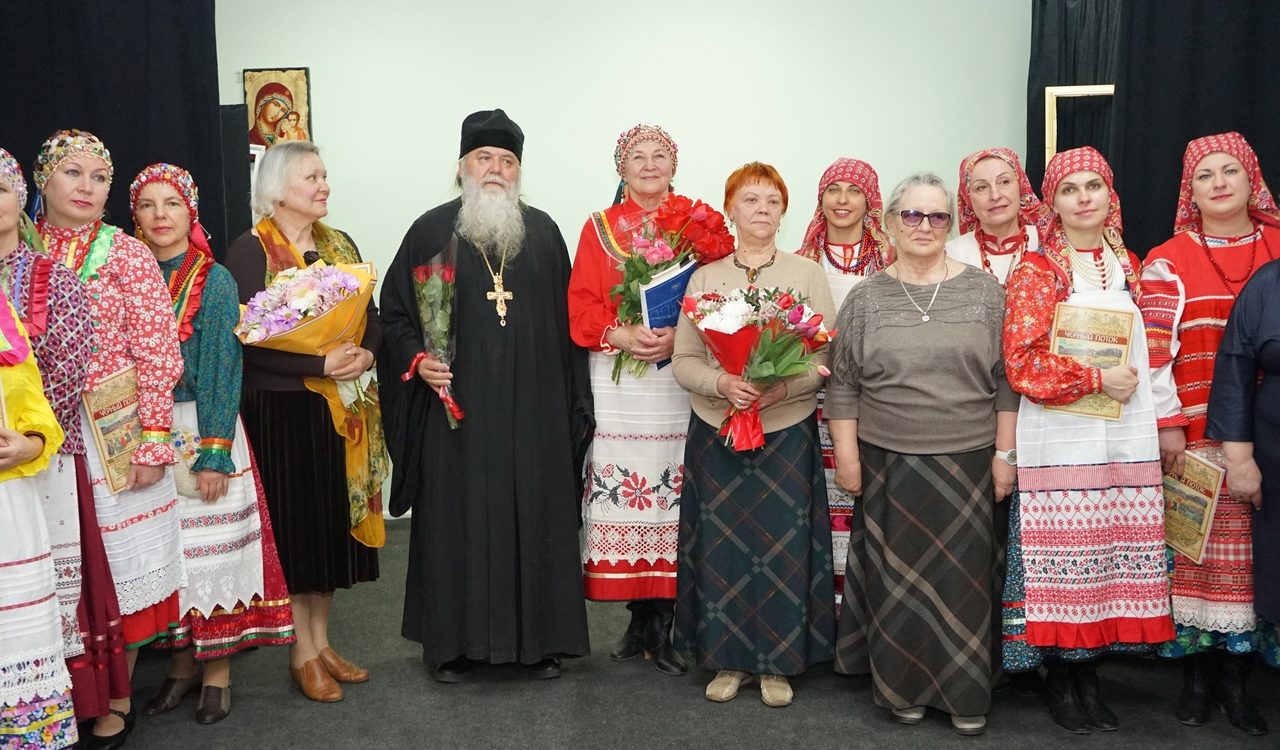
pixel 657 638
pixel 629 645
pixel 1084 677
pixel 1231 671
pixel 1059 697
pixel 1193 704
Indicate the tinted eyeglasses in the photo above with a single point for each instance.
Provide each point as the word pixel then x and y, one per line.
pixel 937 219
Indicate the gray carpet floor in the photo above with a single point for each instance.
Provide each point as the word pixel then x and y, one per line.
pixel 599 703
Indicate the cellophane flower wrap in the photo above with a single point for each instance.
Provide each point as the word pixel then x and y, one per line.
pixel 680 229
pixel 308 310
pixel 433 288
pixel 762 336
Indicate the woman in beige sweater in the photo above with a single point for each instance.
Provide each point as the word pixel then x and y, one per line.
pixel 754 589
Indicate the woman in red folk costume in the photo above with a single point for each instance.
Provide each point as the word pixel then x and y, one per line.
pixel 1070 597
pixel 846 237
pixel 1227 226
pixel 132 318
pixel 54 308
pixel 998 213
pixel 631 508
pixel 233 594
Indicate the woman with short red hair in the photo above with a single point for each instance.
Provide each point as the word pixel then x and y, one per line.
pixel 759 600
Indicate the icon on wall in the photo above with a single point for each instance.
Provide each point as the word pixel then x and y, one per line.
pixel 279 104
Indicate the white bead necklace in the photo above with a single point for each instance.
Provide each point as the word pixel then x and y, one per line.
pixel 1098 271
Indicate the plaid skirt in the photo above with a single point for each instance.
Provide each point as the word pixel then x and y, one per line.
pixel 918 588
pixel 754 589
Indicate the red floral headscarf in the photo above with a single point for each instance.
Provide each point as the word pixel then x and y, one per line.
pixel 1053 237
pixel 1262 207
pixel 865 178
pixel 1030 209
pixel 181 180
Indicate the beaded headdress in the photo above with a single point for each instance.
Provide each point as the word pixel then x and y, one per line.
pixel 642 132
pixel 64 144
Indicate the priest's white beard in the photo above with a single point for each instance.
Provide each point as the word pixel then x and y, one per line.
pixel 492 221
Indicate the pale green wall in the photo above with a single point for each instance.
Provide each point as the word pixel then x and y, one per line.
pixel 905 85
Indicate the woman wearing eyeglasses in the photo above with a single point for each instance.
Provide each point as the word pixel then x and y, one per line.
pixel 1086 547
pixel 921 418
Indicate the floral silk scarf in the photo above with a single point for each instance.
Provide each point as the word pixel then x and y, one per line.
pixel 360 425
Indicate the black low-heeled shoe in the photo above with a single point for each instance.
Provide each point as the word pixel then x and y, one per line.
pixel 215 704
pixel 547 669
pixel 117 740
pixel 171 693
pixel 452 672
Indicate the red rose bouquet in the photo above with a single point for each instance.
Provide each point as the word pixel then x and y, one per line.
pixel 679 230
pixel 762 336
pixel 433 288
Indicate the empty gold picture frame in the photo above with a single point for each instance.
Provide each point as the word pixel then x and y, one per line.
pixel 1051 96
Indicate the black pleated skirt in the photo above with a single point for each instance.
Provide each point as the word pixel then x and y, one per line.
pixel 303 467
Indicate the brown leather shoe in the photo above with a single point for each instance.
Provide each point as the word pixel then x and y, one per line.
pixel 341 669
pixel 171 693
pixel 215 704
pixel 315 683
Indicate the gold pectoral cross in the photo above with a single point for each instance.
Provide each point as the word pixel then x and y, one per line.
pixel 499 297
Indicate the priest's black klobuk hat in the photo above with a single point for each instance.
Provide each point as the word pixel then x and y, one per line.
pixel 491 127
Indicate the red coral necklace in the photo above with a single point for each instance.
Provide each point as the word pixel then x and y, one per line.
pixel 1253 259
pixel 178 281
pixel 1014 244
pixel 861 263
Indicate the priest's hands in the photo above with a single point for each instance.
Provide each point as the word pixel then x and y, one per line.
pixel 435 373
pixel 17 449
pixel 646 345
pixel 347 362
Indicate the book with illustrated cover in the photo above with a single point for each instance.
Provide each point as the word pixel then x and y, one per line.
pixel 116 426
pixel 1189 503
pixel 1094 337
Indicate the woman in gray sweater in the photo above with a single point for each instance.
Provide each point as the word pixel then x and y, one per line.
pixel 918 407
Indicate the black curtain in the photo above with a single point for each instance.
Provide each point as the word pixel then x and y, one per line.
pixel 140 74
pixel 1187 69
pixel 1073 43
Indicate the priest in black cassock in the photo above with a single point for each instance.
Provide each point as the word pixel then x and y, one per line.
pixel 494 569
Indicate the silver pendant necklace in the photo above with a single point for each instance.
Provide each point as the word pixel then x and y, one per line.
pixel 924 313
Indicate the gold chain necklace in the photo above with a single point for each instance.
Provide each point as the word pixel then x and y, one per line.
pixel 499 296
